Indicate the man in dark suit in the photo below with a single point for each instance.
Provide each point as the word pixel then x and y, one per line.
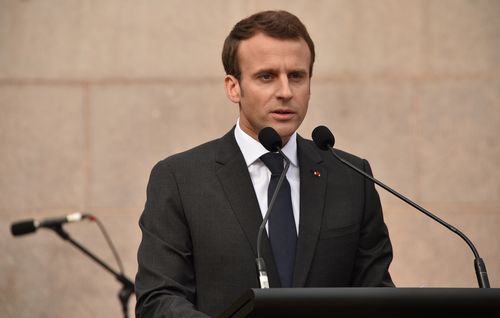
pixel 204 206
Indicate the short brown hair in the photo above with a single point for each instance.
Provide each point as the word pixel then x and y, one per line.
pixel 276 24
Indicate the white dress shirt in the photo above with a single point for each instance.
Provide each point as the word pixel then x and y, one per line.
pixel 259 173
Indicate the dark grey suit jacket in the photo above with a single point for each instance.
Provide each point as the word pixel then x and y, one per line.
pixel 201 220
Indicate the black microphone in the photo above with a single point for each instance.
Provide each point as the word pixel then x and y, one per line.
pixel 271 140
pixel 30 226
pixel 323 138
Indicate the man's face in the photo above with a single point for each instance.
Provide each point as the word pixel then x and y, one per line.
pixel 274 87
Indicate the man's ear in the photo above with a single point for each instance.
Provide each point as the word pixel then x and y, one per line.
pixel 233 89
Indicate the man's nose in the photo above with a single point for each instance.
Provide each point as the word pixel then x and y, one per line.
pixel 284 89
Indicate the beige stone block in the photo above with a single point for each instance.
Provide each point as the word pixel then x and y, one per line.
pixel 43 149
pixel 459 125
pixel 426 254
pixel 134 126
pixel 373 121
pixel 47 277
pixel 463 36
pixel 361 36
pixel 115 38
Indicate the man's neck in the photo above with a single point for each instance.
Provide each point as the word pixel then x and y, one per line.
pixel 252 149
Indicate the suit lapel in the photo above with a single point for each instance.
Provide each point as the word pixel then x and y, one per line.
pixel 232 172
pixel 313 181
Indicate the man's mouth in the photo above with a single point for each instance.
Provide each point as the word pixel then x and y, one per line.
pixel 283 111
pixel 283 114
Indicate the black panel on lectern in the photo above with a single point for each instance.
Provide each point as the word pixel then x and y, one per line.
pixel 366 302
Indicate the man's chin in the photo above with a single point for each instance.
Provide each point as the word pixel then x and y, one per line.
pixel 285 133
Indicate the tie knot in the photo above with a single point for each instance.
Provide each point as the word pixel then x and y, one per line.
pixel 274 162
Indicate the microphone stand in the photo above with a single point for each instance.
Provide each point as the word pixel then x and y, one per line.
pixel 127 286
pixel 261 265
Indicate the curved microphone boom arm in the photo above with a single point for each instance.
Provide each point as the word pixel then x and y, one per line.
pixel 324 139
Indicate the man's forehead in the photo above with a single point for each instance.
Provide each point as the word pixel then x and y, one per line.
pixel 263 41
pixel 262 48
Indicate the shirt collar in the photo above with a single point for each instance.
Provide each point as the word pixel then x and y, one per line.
pixel 253 150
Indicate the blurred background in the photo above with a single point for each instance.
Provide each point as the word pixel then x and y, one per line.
pixel 94 93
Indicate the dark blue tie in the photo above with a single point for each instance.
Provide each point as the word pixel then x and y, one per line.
pixel 282 233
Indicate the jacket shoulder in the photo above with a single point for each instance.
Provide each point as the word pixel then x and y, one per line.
pixel 201 156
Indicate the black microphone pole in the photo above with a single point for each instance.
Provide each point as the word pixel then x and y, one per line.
pixel 324 140
pixel 261 266
pixel 127 286
pixel 271 140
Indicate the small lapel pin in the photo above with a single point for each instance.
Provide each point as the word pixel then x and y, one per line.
pixel 316 173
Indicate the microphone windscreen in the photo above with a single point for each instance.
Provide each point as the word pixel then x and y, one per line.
pixel 23 227
pixel 270 139
pixel 323 137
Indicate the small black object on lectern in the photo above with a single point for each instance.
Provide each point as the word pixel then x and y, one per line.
pixel 366 302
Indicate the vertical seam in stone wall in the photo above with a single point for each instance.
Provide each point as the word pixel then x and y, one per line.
pixel 416 137
pixel 425 45
pixel 87 144
pixel 425 49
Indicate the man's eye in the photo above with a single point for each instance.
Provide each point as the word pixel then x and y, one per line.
pixel 296 76
pixel 266 76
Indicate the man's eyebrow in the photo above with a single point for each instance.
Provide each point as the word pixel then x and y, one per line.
pixel 265 70
pixel 273 70
pixel 300 71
